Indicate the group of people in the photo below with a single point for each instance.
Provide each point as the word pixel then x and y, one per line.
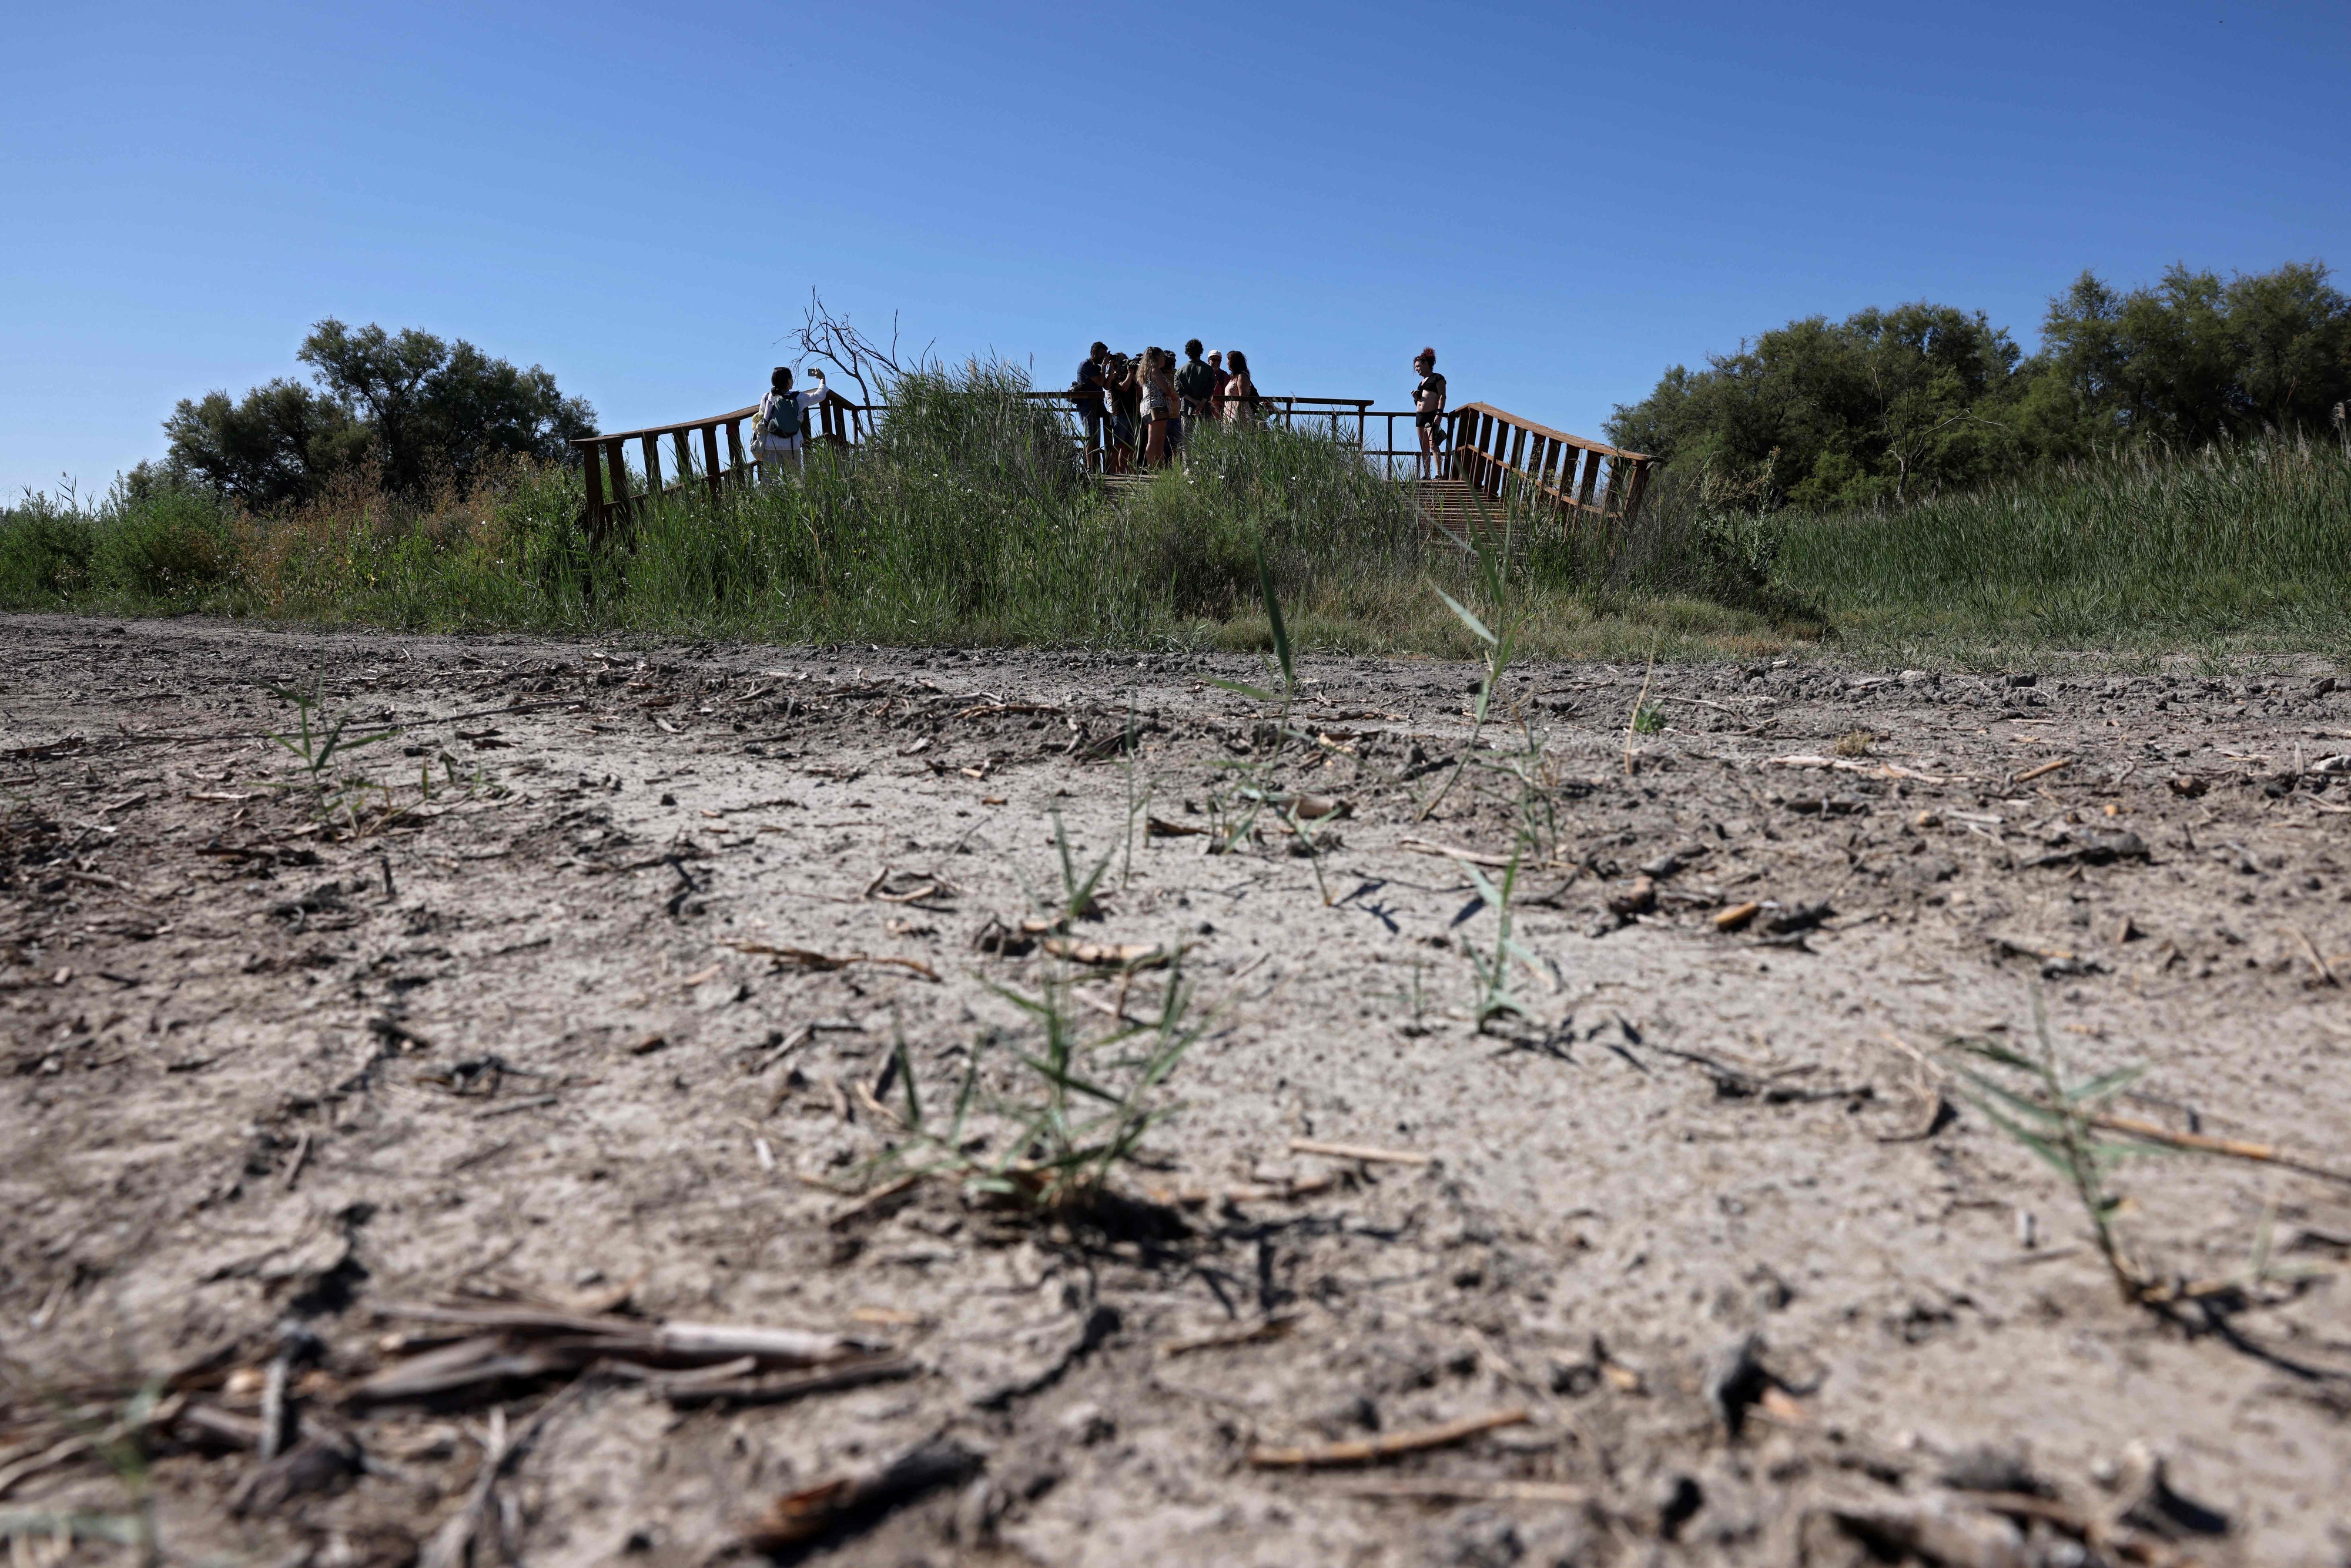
pixel 1135 408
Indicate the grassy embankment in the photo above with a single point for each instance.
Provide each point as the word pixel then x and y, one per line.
pixel 962 522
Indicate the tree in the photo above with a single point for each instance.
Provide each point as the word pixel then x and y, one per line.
pixel 439 412
pixel 1880 405
pixel 274 448
pixel 419 412
pixel 1888 404
pixel 2191 360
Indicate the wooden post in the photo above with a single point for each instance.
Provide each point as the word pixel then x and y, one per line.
pixel 712 475
pixel 735 449
pixel 591 517
pixel 684 455
pixel 1639 486
pixel 1591 478
pixel 616 463
pixel 652 443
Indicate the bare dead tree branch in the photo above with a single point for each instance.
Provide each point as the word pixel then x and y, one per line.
pixel 821 335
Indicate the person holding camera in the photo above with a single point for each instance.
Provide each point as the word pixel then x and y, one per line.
pixel 780 429
pixel 1086 393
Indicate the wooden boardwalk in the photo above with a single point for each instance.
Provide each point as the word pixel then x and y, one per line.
pixel 1486 453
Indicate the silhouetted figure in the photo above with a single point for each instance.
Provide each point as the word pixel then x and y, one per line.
pixel 1088 392
pixel 1428 412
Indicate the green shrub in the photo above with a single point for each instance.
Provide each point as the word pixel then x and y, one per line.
pixel 45 552
pixel 169 547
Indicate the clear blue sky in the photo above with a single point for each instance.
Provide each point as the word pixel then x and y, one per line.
pixel 1563 199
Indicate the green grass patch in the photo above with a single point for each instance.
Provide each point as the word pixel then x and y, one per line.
pixel 964 521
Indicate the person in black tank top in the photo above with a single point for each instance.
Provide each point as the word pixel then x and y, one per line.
pixel 1429 409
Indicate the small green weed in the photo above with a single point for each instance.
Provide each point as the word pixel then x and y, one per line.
pixel 2030 1100
pixel 1077 1110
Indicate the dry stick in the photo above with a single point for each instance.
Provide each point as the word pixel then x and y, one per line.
pixel 790 1043
pixel 2200 1143
pixel 451 1544
pixel 301 1158
pixel 162 1414
pixel 809 958
pixel 2325 974
pixel 1437 1490
pixel 1357 1152
pixel 1474 857
pixel 872 1200
pixel 1368 1451
pixel 527 1103
pixel 1196 1196
pixel 2265 1153
pixel 620 1335
pixel 783 1386
pixel 2030 774
pixel 1218 1338
pixel 273 1406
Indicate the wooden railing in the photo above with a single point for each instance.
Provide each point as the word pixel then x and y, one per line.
pixel 1506 457
pixel 1497 453
pixel 1286 409
pixel 614 493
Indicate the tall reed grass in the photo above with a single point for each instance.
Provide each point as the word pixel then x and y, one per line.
pixel 2239 546
pixel 965 520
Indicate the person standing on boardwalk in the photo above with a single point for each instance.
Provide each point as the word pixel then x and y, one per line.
pixel 1195 388
pixel 1086 392
pixel 1238 398
pixel 1158 404
pixel 1429 409
pixel 1125 385
pixel 777 431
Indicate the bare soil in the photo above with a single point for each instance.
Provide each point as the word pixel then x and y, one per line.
pixel 1767 1286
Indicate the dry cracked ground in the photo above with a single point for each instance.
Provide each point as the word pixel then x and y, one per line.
pixel 498 1140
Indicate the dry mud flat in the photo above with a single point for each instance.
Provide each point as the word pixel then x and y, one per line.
pixel 358 1184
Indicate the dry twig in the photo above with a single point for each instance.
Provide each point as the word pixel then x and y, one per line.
pixel 1357 1152
pixel 1388 1445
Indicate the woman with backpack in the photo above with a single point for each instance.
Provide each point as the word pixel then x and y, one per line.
pixel 779 432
